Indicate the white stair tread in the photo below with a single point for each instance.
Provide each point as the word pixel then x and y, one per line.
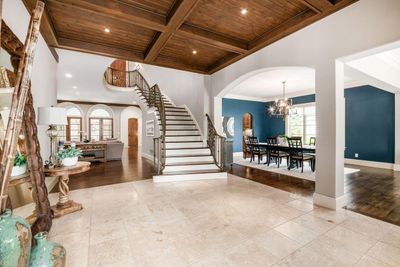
pixel 189 177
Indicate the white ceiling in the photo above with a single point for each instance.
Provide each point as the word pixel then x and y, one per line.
pixel 384 66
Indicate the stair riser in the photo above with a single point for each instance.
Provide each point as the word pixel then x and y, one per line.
pixel 181 168
pixel 193 152
pixel 175 113
pixel 172 117
pixel 179 122
pixel 183 138
pixel 188 159
pixel 184 145
pixel 180 133
pixel 189 177
pixel 180 127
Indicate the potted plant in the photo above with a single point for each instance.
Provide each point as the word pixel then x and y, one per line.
pixel 19 165
pixel 69 156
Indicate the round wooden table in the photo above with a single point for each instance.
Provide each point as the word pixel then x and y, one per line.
pixel 66 205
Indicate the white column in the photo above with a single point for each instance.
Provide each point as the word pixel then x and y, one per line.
pixel 397 132
pixel 330 110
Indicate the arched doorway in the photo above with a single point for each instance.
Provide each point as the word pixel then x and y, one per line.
pixel 247 130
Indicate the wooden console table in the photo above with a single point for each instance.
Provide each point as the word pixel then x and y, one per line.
pixel 92 148
pixel 65 205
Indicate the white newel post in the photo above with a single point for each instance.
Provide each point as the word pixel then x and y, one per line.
pixel 330 110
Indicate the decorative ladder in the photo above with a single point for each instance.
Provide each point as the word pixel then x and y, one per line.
pixel 179 151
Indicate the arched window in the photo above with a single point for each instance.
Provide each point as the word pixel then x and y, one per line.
pixel 72 132
pixel 100 124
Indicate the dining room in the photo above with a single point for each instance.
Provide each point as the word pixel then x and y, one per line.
pixel 272 120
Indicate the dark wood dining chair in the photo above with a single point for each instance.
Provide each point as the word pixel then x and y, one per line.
pixel 256 150
pixel 274 153
pixel 297 155
pixel 247 148
pixel 312 141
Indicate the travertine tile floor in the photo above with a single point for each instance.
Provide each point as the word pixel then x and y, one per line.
pixel 217 223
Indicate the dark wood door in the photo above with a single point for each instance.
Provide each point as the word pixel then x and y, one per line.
pixel 119 72
pixel 133 132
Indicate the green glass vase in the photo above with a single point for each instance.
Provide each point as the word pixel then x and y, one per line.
pixel 46 253
pixel 15 240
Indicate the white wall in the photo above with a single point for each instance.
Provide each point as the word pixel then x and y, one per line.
pixel 44 72
pixel 127 113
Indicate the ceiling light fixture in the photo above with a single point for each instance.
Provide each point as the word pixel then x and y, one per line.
pixel 107 30
pixel 243 11
pixel 194 52
pixel 282 107
pixel 68 75
pixel 74 87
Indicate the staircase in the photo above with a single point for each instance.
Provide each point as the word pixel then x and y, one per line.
pixel 180 153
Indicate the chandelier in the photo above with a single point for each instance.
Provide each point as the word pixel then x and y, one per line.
pixel 281 107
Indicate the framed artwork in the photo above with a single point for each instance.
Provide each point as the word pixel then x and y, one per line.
pixel 150 128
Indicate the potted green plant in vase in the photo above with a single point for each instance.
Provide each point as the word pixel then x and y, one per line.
pixel 19 165
pixel 69 156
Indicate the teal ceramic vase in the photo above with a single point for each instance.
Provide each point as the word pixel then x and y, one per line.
pixel 46 253
pixel 15 240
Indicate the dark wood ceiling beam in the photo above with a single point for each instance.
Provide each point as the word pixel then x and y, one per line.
pixel 114 52
pixel 213 39
pixel 119 12
pixel 180 11
pixel 317 5
pixel 99 49
pixel 46 27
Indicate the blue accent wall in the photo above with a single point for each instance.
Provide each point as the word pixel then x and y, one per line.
pixel 369 122
pixel 237 109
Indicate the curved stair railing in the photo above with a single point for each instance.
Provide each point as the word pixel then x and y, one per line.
pixel 216 143
pixel 152 96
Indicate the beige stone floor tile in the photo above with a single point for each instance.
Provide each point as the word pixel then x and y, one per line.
pixel 77 247
pixel 249 254
pixel 276 243
pixel 287 212
pixel 334 250
pixel 305 257
pixel 249 227
pixel 385 253
pixel 109 253
pixel 329 215
pixel 367 261
pixel 107 231
pixel 296 232
pixel 362 224
pixel 353 241
pixel 392 237
pixel 165 212
pixel 314 223
pixel 72 223
pixel 301 205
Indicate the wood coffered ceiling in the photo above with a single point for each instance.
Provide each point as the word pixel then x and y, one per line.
pixel 166 32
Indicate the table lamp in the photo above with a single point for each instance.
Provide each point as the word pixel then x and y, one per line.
pixel 52 116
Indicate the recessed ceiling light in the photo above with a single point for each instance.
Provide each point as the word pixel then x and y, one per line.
pixel 107 30
pixel 194 52
pixel 68 75
pixel 243 11
pixel 74 87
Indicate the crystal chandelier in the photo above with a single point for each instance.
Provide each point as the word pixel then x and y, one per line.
pixel 281 107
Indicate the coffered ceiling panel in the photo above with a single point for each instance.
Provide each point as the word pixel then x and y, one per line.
pixel 224 16
pixel 166 32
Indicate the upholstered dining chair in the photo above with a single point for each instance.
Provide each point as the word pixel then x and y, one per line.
pixel 256 150
pixel 274 153
pixel 297 156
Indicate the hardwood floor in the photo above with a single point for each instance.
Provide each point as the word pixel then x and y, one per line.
pixel 371 191
pixel 132 167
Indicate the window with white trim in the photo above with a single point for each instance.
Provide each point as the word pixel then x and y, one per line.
pixel 301 122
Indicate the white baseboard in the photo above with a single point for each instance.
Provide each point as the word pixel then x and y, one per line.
pixel 147 156
pixel 373 164
pixel 329 202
